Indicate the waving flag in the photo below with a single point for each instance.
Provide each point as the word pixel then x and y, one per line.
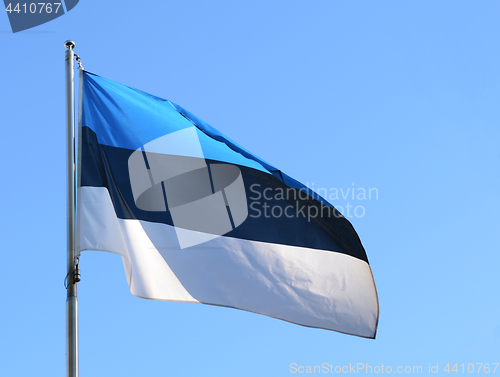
pixel 197 218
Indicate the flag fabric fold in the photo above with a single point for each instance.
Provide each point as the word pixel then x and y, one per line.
pixel 197 218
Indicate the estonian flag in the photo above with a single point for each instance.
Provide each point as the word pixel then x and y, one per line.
pixel 197 218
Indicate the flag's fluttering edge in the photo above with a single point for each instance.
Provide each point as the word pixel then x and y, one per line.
pixel 197 218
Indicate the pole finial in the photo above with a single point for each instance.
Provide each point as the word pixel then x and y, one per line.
pixel 70 45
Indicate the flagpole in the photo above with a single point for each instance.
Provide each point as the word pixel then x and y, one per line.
pixel 72 266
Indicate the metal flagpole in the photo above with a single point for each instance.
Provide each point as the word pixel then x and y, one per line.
pixel 73 275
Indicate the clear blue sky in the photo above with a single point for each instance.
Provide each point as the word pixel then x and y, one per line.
pixel 401 96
